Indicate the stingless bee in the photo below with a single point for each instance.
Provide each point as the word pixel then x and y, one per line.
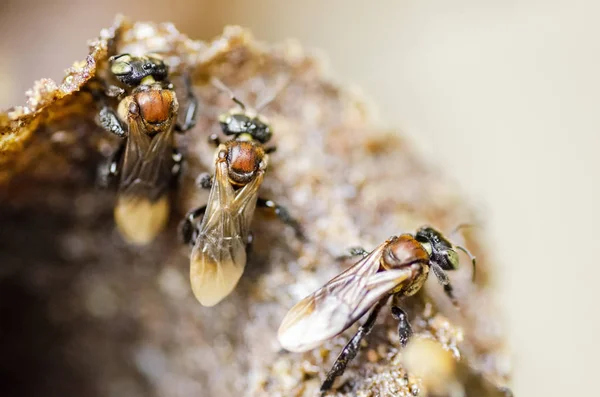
pixel 147 164
pixel 221 239
pixel 397 268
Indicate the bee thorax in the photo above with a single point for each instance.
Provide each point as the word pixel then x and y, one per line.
pixel 155 105
pixel 244 159
pixel 403 251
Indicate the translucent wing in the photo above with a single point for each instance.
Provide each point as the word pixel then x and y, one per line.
pixel 142 209
pixel 219 255
pixel 147 161
pixel 339 303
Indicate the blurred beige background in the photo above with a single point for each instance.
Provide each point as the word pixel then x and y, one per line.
pixel 501 95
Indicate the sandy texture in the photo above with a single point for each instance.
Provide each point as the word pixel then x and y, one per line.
pixel 85 314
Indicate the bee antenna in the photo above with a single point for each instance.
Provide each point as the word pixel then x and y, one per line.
pixel 471 256
pixel 221 86
pixel 463 249
pixel 461 226
pixel 160 53
pixel 281 84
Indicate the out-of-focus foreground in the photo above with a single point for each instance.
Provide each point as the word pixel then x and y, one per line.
pixel 500 94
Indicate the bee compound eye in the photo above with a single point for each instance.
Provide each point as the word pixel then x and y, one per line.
pixel 453 259
pixel 121 68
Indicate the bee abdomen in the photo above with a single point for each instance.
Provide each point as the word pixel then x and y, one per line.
pixel 139 219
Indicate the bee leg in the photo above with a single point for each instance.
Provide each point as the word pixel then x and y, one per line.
pixel 177 169
pixel 350 350
pixel 449 292
pixel 404 328
pixel 352 252
pixel 188 228
pixel 189 119
pixel 283 214
pixel 109 169
pixel 355 251
pixel 249 241
pixel 271 149
pixel 204 180
pixel 108 119
pixel 445 281
pixel 112 91
pixel 214 140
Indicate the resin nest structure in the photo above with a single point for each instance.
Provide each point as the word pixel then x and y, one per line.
pixel 86 314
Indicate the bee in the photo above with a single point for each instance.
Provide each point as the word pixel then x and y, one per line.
pixel 219 232
pixel 397 268
pixel 147 163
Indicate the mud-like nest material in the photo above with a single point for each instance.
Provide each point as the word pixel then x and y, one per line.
pixel 85 314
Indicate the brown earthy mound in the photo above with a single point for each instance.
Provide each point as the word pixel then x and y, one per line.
pixel 84 314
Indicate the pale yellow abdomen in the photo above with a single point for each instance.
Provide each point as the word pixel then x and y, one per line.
pixel 139 220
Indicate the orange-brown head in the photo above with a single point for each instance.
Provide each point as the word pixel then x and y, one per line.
pixel 402 251
pixel 244 159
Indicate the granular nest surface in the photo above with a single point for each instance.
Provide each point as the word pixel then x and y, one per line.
pixel 83 313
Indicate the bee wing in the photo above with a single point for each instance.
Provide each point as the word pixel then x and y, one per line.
pixel 339 303
pixel 219 255
pixel 147 161
pixel 142 209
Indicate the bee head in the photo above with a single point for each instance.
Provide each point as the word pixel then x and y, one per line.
pixel 132 70
pixel 237 122
pixel 439 248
